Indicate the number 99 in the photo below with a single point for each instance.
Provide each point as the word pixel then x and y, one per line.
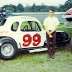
pixel 36 39
pixel 27 39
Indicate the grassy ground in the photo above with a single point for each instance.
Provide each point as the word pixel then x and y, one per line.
pixel 38 62
pixel 62 27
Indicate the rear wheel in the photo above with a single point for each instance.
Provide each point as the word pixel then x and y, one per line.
pixel 69 19
pixel 71 44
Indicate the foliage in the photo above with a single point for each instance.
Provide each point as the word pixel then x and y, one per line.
pixel 20 8
pixel 38 8
pixel 66 6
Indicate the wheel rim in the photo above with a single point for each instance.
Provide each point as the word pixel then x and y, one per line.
pixel 7 50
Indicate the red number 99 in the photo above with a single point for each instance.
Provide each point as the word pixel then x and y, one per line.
pixel 27 40
pixel 36 39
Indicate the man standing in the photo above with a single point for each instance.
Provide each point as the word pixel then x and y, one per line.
pixel 50 24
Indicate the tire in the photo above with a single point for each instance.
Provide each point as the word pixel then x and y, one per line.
pixel 71 44
pixel 8 48
pixel 45 44
pixel 69 19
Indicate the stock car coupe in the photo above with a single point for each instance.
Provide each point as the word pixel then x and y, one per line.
pixel 23 32
pixel 68 15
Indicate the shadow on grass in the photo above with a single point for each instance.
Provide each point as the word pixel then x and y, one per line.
pixel 25 52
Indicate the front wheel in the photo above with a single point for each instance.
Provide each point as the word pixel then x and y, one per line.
pixel 8 50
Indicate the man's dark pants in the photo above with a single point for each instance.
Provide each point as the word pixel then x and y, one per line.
pixel 51 44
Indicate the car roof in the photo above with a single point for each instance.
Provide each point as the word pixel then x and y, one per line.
pixel 10 20
pixel 68 14
pixel 27 18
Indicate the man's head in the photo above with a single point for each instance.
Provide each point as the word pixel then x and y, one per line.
pixel 51 12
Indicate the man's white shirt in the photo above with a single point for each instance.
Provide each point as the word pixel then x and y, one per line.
pixel 51 23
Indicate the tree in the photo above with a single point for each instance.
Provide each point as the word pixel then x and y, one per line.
pixel 33 7
pixel 28 8
pixel 43 8
pixel 10 7
pixel 66 6
pixel 20 8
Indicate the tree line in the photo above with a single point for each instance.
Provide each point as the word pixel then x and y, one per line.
pixel 37 8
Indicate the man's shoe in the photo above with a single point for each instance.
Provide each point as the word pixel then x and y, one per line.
pixel 49 56
pixel 53 57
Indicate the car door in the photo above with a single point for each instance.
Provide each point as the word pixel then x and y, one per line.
pixel 31 34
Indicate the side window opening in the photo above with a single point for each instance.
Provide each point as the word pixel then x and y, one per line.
pixel 2 22
pixel 34 26
pixel 14 26
pixel 25 26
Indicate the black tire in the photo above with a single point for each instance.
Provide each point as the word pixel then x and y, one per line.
pixel 71 44
pixel 45 44
pixel 69 19
pixel 10 45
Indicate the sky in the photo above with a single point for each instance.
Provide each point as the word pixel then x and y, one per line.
pixel 31 2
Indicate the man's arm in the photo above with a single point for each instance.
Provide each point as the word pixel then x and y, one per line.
pixel 48 32
pixel 46 28
pixel 56 24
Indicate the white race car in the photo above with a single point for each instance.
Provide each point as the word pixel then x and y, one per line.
pixel 20 32
pixel 26 33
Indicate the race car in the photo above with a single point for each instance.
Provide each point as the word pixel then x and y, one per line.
pixel 22 32
pixel 68 15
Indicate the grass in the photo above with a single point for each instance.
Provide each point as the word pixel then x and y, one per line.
pixel 38 62
pixel 62 27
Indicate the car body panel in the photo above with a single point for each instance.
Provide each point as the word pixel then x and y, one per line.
pixel 68 14
pixel 30 38
pixel 18 35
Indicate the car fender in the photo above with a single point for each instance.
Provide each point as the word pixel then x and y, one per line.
pixel 7 39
